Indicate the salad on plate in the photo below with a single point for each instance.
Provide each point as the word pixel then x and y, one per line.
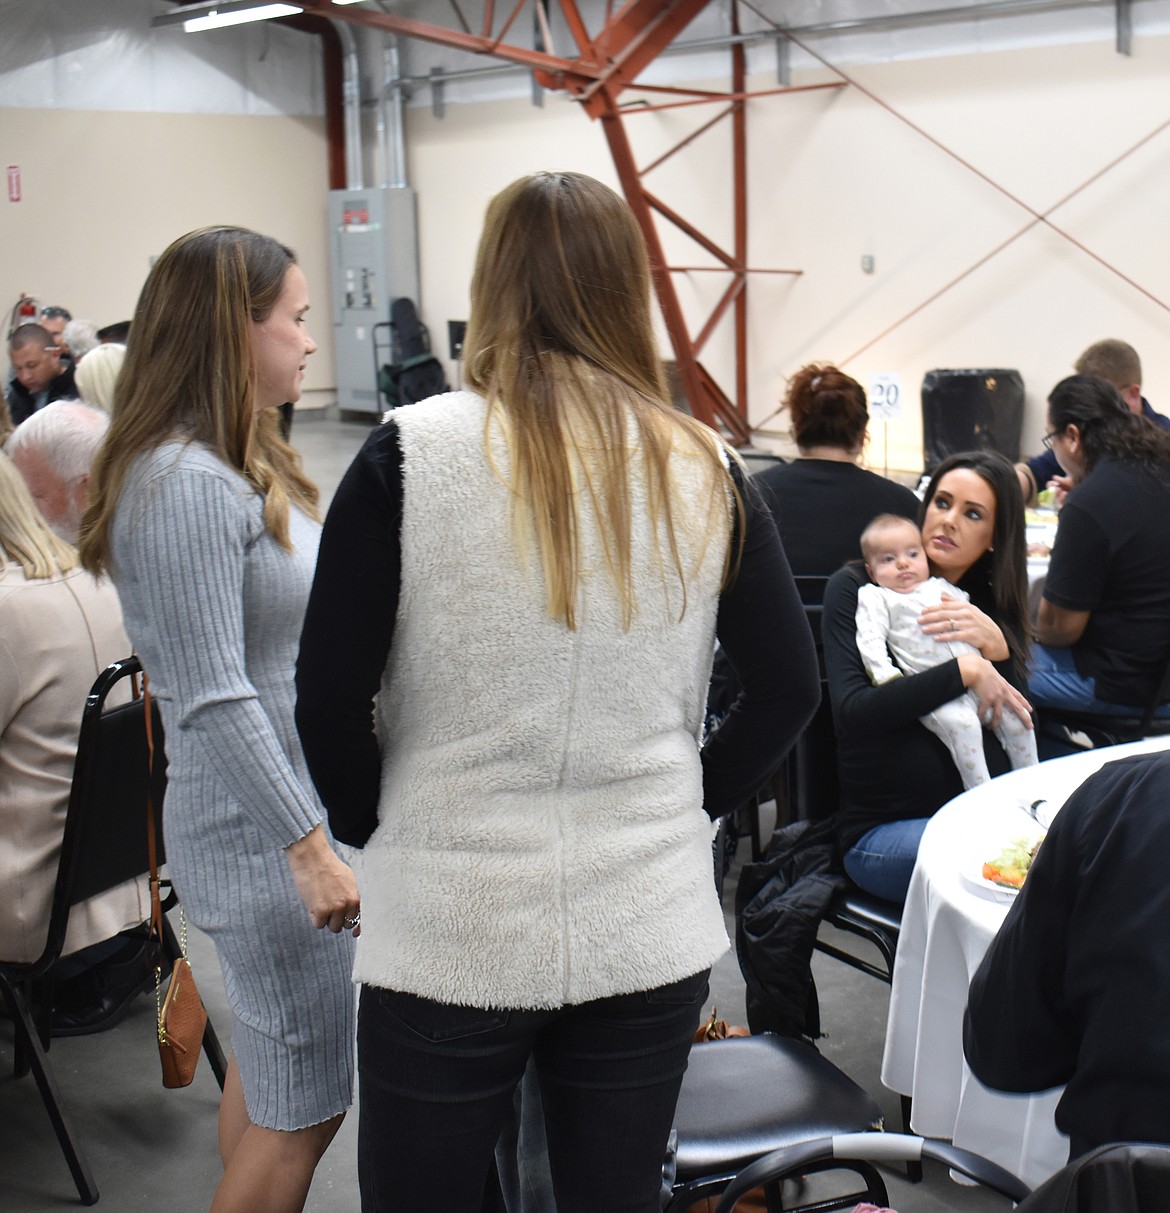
pixel 1010 869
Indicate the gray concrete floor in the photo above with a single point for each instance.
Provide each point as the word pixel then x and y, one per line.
pixel 151 1148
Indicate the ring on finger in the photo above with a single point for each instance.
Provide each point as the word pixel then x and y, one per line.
pixel 354 921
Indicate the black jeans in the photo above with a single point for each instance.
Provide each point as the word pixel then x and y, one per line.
pixel 436 1082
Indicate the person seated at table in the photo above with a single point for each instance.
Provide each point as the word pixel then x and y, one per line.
pixel 894 773
pixel 823 500
pixel 1116 362
pixel 887 623
pixel 59 628
pixel 1103 623
pixel 1075 988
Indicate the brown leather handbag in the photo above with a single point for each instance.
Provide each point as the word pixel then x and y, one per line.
pixel 181 1015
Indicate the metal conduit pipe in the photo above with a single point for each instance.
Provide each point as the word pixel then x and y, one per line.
pixel 937 16
pixel 351 98
pixel 391 98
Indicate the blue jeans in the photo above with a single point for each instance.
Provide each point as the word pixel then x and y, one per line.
pixel 436 1084
pixel 881 860
pixel 1055 683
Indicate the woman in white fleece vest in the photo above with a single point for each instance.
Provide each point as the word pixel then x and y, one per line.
pixel 529 578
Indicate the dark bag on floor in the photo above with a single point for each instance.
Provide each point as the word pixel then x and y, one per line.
pixel 779 904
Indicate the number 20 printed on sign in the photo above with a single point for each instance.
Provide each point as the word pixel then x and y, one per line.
pixel 885 397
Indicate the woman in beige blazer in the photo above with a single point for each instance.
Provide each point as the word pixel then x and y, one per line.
pixel 59 628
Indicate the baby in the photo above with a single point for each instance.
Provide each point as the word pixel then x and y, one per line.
pixel 887 622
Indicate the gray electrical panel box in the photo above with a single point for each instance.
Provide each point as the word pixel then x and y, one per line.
pixel 373 254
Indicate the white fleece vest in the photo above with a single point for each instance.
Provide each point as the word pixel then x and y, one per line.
pixel 541 836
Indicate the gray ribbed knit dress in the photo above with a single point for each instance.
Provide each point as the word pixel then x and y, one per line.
pixel 214 606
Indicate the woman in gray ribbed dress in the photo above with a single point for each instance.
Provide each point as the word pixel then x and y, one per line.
pixel 205 522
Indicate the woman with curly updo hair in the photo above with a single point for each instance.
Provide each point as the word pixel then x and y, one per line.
pixel 823 500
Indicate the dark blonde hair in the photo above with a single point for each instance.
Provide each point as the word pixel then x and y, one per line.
pixel 561 343
pixel 827 408
pixel 1116 362
pixel 188 374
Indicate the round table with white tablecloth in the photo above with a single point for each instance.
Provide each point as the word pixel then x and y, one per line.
pixel 951 916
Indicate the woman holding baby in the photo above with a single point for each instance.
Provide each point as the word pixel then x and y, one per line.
pixel 894 772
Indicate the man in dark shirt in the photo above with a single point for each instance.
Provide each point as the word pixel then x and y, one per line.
pixel 1075 988
pixel 1117 363
pixel 40 378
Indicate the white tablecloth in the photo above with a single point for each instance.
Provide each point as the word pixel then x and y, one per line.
pixel 949 920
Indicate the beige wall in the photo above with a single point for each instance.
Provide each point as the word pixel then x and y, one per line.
pixel 104 191
pixel 833 176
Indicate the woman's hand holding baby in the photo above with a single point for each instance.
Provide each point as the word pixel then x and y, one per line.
pixel 953 619
pixel 994 692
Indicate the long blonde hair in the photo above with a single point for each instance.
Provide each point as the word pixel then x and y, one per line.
pixel 25 537
pixel 561 343
pixel 188 374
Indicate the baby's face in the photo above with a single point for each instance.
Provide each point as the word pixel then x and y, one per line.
pixel 897 561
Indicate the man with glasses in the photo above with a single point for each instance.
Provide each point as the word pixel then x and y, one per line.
pixel 1117 363
pixel 39 378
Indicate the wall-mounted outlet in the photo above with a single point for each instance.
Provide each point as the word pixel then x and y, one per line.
pixel 867 263
pixel 456 331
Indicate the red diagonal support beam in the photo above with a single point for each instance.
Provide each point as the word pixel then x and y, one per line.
pixel 569 73
pixel 631 41
pixel 632 37
pixel 688 229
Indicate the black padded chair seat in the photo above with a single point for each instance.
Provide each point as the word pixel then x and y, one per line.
pixel 870 917
pixel 747 1096
pixel 875 910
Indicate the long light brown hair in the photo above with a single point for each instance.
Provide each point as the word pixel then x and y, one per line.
pixel 188 374
pixel 25 537
pixel 561 343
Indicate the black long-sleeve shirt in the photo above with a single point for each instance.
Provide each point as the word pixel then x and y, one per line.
pixel 892 768
pixel 349 629
pixel 1075 987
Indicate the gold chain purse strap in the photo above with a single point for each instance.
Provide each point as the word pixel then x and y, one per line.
pixel 180 1018
pixel 156 914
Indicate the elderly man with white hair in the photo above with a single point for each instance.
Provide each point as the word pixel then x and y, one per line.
pixel 54 450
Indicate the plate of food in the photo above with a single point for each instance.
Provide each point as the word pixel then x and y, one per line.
pixel 1001 872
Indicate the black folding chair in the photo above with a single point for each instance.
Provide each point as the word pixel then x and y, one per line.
pixel 855 1151
pixel 1125 1177
pixel 104 845
pixel 747 1096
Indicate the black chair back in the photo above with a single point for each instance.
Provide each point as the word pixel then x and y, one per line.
pixel 104 844
pixel 847 1151
pixel 107 845
pixel 1127 1177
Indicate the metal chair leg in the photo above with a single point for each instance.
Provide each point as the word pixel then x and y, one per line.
pixel 28 1042
pixel 913 1169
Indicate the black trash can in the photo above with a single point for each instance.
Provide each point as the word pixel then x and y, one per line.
pixel 967 410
